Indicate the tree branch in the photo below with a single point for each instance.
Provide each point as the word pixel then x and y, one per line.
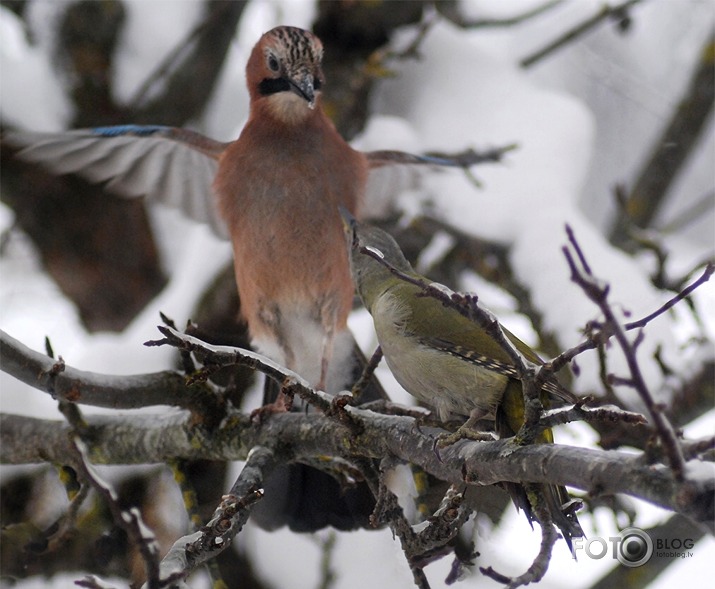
pixel 211 356
pixel 101 390
pixel 671 150
pixel 598 294
pixel 129 520
pixel 191 551
pixel 705 276
pixel 540 565
pixel 619 12
pixel 450 11
pixel 151 439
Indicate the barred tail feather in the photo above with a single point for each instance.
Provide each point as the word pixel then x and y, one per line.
pixel 561 507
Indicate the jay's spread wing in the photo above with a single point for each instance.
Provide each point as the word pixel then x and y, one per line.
pixel 464 159
pixel 173 166
pixel 393 172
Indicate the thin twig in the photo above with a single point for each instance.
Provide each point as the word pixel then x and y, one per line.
pixel 704 277
pixel 598 294
pixel 670 152
pixel 188 493
pixel 191 504
pixel 603 14
pixel 695 212
pixel 503 22
pixel 129 520
pixel 290 381
pixel 327 551
pixel 432 539
pixel 589 415
pixel 540 565
pixel 412 50
pixel 696 448
pixel 67 522
pixel 190 552
pixel 171 61
pixel 367 374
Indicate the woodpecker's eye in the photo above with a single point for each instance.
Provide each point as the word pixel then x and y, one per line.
pixel 317 84
pixel 273 63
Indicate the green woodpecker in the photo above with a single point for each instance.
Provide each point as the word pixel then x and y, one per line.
pixel 446 360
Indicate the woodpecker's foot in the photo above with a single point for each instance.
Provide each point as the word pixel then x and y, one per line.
pixel 419 421
pixel 466 431
pixel 463 433
pixel 282 404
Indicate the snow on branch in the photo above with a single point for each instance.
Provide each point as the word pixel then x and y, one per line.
pixel 682 482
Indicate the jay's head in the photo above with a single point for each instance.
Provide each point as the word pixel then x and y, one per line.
pixel 284 72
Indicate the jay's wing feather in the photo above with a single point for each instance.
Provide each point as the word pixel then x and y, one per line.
pixel 173 166
pixel 393 172
pixel 378 159
pixel 463 159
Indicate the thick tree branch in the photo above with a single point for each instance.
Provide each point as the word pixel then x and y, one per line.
pixel 671 150
pixel 149 439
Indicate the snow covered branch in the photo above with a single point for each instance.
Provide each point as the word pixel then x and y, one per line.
pixel 147 439
pixel 99 390
pixel 190 552
pixel 365 434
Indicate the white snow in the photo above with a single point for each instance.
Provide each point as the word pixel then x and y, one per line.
pixel 583 120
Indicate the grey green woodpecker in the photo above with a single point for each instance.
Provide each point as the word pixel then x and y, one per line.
pixel 448 361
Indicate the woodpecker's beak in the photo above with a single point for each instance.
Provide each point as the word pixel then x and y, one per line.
pixel 349 221
pixel 349 226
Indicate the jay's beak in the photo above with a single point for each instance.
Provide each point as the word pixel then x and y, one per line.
pixel 303 86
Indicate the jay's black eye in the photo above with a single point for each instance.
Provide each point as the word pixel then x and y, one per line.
pixel 273 63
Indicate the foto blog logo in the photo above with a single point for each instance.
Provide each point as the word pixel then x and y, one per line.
pixel 632 547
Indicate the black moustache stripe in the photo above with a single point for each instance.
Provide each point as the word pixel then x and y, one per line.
pixel 270 86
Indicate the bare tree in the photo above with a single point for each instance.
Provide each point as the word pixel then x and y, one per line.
pixel 110 527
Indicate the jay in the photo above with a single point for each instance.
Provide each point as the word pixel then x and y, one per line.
pixel 274 192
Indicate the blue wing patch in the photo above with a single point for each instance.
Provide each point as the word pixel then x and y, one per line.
pixel 136 130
